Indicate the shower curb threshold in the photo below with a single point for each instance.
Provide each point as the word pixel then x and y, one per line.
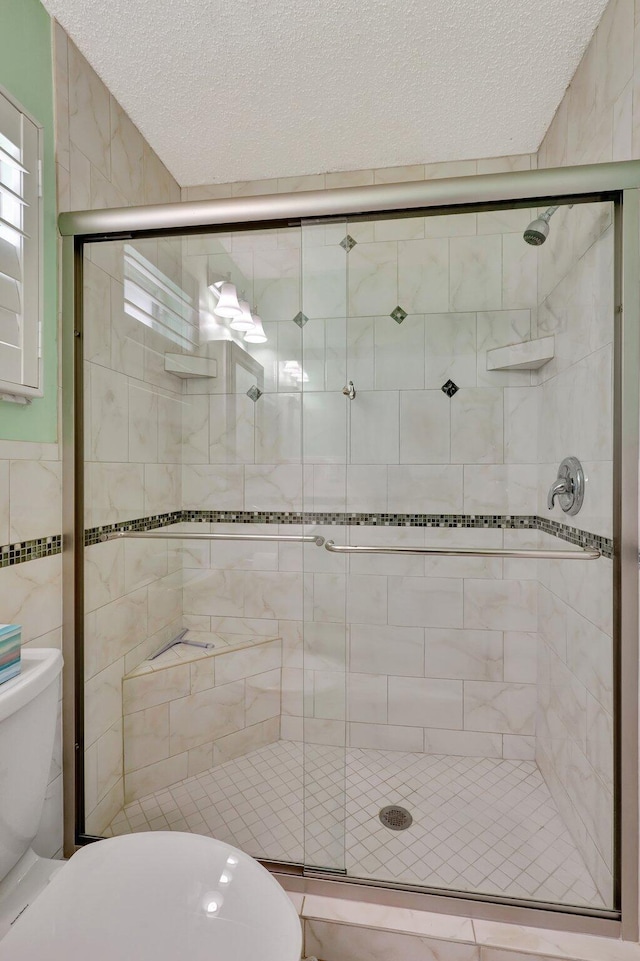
pixel 494 941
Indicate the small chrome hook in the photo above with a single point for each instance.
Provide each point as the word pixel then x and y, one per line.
pixel 349 391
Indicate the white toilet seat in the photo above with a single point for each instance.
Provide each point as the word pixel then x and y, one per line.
pixel 160 896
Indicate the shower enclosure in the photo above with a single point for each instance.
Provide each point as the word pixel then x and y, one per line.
pixel 324 605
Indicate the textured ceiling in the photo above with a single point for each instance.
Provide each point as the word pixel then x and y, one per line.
pixel 244 90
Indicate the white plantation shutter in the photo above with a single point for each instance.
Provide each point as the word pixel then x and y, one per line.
pixel 19 252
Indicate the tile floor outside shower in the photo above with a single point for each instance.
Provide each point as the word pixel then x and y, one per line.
pixel 479 824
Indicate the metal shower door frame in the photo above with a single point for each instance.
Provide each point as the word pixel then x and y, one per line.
pixel 617 182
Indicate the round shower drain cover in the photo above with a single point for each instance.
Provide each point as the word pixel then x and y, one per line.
pixel 395 817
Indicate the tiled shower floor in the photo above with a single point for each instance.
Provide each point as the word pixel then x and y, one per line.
pixel 479 824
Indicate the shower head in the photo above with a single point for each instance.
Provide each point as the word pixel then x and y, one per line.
pixel 538 230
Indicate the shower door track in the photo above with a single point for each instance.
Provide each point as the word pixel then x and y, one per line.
pixel 616 182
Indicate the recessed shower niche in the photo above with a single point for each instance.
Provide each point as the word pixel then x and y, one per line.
pixel 353 510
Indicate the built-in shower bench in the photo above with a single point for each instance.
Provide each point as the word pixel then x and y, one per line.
pixel 191 708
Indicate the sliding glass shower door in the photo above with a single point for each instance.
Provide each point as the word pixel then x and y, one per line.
pixel 348 570
pixel 458 628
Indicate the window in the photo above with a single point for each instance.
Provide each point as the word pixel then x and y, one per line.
pixel 20 254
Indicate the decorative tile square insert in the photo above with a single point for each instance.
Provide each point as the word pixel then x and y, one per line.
pixel 450 388
pixel 254 393
pixel 398 314
pixel 300 319
pixel 348 243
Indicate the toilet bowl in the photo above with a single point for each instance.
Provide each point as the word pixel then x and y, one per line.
pixel 158 896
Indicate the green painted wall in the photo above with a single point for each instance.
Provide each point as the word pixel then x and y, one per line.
pixel 26 72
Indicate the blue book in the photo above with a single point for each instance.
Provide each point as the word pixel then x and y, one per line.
pixel 10 639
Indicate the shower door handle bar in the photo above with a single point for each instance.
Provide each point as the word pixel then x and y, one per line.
pixel 583 554
pixel 179 535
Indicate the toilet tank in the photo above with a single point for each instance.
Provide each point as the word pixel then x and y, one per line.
pixel 28 710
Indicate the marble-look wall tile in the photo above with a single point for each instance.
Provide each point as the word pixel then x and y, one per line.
pixel 450 350
pixel 499 707
pixel 206 716
pixel 399 353
pixel 463 654
pixel 477 426
pixel 343 942
pixel 88 111
pixel 386 650
pixel 425 702
pixel 425 427
pixel 495 489
pixel 381 737
pixel 475 274
pixel 373 279
pixel 146 737
pixel 109 415
pixel 463 743
pixel 115 628
pixel 375 426
pixel 428 490
pixel 500 605
pixel 34 497
pixel 423 276
pixel 32 596
pixel 212 487
pixel 127 152
pixel 154 776
pixel 429 601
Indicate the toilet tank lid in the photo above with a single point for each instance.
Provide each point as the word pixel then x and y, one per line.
pixel 40 666
pixel 159 896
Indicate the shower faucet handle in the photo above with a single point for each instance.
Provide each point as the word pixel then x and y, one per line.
pixel 568 487
pixel 560 487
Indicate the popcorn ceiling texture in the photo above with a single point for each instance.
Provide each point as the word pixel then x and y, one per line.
pixel 240 91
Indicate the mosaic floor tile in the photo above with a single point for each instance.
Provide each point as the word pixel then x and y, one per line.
pixel 479 824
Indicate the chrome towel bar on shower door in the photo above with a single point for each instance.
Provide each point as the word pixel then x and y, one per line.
pixel 186 535
pixel 582 554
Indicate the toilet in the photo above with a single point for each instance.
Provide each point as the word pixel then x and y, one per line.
pixel 158 896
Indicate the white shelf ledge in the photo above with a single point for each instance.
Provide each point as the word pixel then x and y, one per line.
pixel 188 366
pixel 530 355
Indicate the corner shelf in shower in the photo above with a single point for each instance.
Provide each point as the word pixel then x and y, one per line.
pixel 529 355
pixel 188 366
pixel 183 654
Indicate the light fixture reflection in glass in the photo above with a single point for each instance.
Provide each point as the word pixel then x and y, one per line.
pixel 257 334
pixel 225 878
pixel 292 369
pixel 232 860
pixel 244 320
pixel 227 305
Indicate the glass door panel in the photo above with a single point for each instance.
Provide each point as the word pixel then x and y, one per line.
pixel 479 694
pixel 193 452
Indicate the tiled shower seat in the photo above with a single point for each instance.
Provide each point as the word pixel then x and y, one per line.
pixel 192 708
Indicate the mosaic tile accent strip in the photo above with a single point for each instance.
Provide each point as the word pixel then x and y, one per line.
pixel 300 319
pixel 348 243
pixel 93 534
pixel 254 393
pixel 398 314
pixel 33 550
pixel 340 519
pixel 575 536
